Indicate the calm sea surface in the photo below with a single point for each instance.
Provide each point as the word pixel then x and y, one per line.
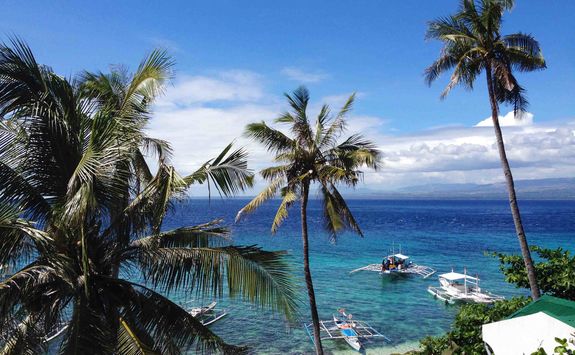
pixel 440 234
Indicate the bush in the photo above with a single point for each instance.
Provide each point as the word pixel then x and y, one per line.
pixel 465 335
pixel 555 273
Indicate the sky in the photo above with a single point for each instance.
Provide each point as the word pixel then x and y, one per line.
pixel 235 59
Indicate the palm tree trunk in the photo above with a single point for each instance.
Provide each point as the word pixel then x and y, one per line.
pixel 307 271
pixel 535 293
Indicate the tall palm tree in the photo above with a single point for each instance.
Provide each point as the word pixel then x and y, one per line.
pixel 312 155
pixel 81 216
pixel 472 43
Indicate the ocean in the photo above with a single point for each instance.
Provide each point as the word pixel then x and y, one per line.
pixel 444 235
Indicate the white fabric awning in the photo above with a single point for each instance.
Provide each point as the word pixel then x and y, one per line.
pixel 524 335
pixel 452 276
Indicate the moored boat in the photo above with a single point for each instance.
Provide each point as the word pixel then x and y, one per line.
pixel 398 264
pixel 208 314
pixel 343 327
pixel 455 287
pixel 346 328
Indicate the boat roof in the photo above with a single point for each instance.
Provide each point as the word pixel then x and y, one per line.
pixel 399 256
pixel 452 276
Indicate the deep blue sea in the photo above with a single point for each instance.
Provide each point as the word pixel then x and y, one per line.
pixel 440 234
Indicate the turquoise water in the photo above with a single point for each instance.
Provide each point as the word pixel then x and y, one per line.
pixel 440 234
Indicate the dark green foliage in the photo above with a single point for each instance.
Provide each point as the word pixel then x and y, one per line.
pixel 80 210
pixel 560 349
pixel 555 271
pixel 473 43
pixel 465 334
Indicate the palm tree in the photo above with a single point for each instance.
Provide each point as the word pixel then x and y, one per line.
pixel 81 216
pixel 312 155
pixel 472 43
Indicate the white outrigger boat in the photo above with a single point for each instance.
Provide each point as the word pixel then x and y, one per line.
pixel 349 334
pixel 398 264
pixel 206 315
pixel 455 287
pixel 343 327
pixel 209 314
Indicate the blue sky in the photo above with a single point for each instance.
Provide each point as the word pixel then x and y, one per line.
pixel 256 50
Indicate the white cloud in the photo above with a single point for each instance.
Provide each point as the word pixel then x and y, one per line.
pixel 509 120
pixel 302 76
pixel 231 86
pixel 200 115
pixel 470 155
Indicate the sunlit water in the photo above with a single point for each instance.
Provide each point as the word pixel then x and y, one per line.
pixel 440 234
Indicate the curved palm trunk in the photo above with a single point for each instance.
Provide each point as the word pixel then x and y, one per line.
pixel 535 293
pixel 307 271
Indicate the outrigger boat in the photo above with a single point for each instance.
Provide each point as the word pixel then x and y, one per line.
pixel 206 315
pixel 343 327
pixel 209 314
pixel 455 287
pixel 398 264
pixel 346 329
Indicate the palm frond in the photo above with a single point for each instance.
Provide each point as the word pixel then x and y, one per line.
pixel 202 235
pixel 228 172
pixel 354 152
pixel 336 212
pixel 170 327
pixel 160 148
pixel 269 192
pixel 338 125
pixel 88 332
pixel 288 198
pixel 300 127
pixel 23 337
pixel 129 343
pixel 274 140
pixel 259 276
pixel 19 239
pixel 274 172
pixel 449 29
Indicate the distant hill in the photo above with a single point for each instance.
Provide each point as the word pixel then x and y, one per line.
pixel 541 189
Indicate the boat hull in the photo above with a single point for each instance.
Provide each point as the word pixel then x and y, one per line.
pixel 444 295
pixel 349 334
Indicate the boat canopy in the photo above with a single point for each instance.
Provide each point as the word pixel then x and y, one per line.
pixel 399 256
pixel 453 276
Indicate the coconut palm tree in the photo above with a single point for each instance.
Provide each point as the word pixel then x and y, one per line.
pixel 312 155
pixel 81 219
pixel 473 43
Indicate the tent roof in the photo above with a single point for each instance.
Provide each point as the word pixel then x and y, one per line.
pixel 452 276
pixel 558 308
pixel 525 334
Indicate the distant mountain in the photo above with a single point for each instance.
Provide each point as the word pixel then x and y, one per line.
pixel 540 189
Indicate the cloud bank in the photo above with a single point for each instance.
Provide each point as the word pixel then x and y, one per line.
pixel 200 115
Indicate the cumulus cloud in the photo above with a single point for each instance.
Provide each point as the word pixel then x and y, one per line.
pixel 509 120
pixel 470 155
pixel 302 76
pixel 201 114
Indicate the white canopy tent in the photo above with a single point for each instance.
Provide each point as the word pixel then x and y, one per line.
pixel 524 335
